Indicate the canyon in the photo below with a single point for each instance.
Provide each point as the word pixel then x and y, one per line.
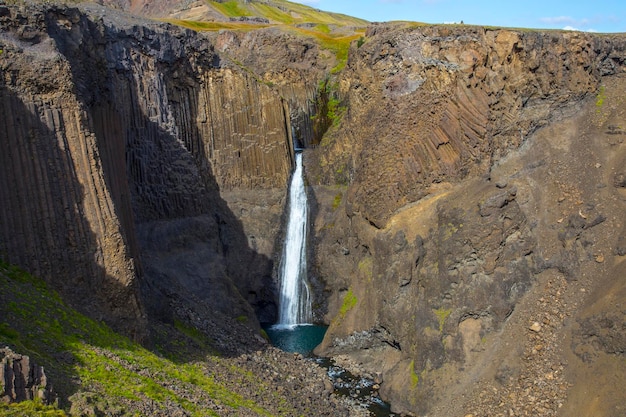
pixel 467 192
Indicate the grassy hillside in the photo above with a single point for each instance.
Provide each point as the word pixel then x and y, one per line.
pixel 332 31
pixel 285 12
pixel 99 369
pixel 240 15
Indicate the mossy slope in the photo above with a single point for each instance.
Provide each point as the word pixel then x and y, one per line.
pixel 332 31
pixel 102 371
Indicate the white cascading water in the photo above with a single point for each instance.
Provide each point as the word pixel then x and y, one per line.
pixel 295 297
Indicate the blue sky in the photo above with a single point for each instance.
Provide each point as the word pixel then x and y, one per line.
pixel 589 15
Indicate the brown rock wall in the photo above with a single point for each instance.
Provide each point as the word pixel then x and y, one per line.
pixel 118 130
pixel 59 219
pixel 448 104
pixel 460 165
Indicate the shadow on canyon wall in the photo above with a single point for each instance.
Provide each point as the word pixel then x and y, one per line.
pixel 112 199
pixel 44 227
pixel 192 248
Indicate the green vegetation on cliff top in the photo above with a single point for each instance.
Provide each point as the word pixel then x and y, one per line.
pixel 230 8
pixel 114 372
pixel 332 31
pixel 276 13
pixel 282 11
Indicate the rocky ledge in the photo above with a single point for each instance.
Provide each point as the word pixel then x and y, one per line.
pixel 21 379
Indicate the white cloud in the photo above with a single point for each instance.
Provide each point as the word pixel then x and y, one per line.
pixel 569 22
pixel 578 30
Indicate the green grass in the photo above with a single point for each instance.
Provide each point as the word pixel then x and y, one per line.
pixel 292 13
pixel 111 367
pixel 415 379
pixel 274 14
pixel 442 314
pixel 215 26
pixel 285 13
pixel 330 111
pixel 337 200
pixel 199 339
pixel 366 267
pixel 323 28
pixel 338 45
pixel 601 97
pixel 288 15
pixel 230 8
pixel 30 409
pixel 349 301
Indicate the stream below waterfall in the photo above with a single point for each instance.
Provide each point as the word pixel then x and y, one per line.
pixel 293 332
pixel 303 339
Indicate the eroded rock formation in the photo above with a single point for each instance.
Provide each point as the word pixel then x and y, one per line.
pixel 455 183
pixel 22 379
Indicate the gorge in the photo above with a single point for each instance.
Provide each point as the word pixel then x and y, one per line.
pixel 466 187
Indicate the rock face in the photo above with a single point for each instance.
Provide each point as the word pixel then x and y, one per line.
pixel 21 379
pixel 470 164
pixel 447 104
pixel 120 134
pixel 60 218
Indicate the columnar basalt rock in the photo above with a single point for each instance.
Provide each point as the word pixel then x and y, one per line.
pixel 449 103
pixel 473 187
pixel 21 379
pixel 59 216
pixel 118 130
pixel 438 195
pixel 291 64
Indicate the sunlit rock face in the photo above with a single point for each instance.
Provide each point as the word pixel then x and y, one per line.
pixel 470 164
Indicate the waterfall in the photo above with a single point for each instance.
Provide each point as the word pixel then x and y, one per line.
pixel 295 297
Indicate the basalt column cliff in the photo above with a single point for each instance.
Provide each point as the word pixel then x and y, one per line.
pixel 123 138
